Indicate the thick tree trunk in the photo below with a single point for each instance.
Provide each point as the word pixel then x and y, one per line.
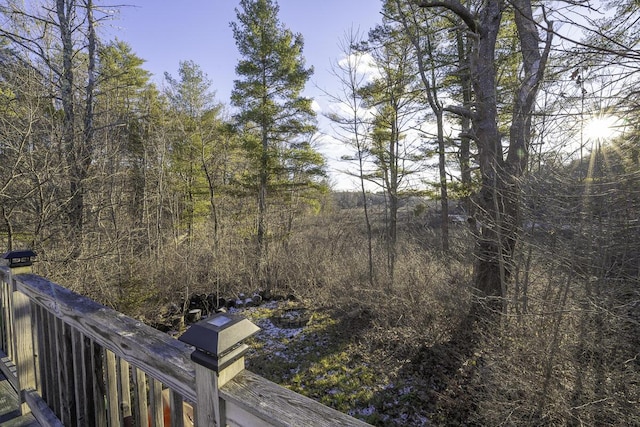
pixel 464 158
pixel 78 152
pixel 498 199
pixel 489 276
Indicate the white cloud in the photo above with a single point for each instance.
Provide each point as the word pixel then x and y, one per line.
pixel 347 109
pixel 363 63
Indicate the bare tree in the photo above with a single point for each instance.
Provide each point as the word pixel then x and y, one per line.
pixel 396 149
pixel 350 122
pixel 422 38
pixel 70 66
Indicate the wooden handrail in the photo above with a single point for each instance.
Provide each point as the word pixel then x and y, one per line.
pixel 92 365
pixel 157 354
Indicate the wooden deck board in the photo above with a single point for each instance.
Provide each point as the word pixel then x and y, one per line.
pixel 10 407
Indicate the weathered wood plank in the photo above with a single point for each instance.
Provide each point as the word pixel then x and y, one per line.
pixel 59 387
pixel 99 388
pixel 40 410
pixel 113 408
pixel 7 318
pixel 140 388
pixel 36 312
pixel 155 403
pixel 23 339
pixel 280 406
pixel 80 374
pixel 177 409
pixel 48 359
pixel 124 391
pixel 159 355
pixel 8 369
pixel 65 364
pixel 4 312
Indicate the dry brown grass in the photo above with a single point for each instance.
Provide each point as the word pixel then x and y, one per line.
pixel 570 356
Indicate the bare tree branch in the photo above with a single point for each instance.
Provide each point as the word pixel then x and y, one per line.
pixel 460 111
pixel 456 7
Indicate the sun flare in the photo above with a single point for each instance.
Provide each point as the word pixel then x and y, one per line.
pixel 603 128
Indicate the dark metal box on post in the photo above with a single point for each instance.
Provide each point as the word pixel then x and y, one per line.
pixel 218 356
pixel 23 258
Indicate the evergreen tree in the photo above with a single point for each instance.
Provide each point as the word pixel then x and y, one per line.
pixel 424 32
pixel 272 75
pixel 194 124
pixel 120 112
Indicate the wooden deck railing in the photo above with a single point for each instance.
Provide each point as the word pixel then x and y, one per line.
pixel 75 362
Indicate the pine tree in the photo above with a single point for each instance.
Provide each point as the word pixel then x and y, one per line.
pixel 268 94
pixel 195 122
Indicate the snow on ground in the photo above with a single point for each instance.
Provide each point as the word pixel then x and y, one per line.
pixel 284 346
pixel 274 339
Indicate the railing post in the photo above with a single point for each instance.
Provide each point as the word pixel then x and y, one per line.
pixel 218 356
pixel 20 262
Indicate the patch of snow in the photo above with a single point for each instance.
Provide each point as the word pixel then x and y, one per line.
pixel 275 340
pixel 405 390
pixel 369 410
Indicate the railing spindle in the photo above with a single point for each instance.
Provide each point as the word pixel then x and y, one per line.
pixel 140 409
pixel 124 388
pixel 155 403
pixel 113 405
pixel 99 386
pixel 80 374
pixel 48 359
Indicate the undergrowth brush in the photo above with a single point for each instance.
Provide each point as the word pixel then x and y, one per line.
pixel 405 348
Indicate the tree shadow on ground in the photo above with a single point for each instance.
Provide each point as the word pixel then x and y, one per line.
pixel 435 386
pixel 297 357
pixel 404 384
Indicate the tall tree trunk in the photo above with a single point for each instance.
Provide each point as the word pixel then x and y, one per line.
pixel 367 220
pixel 444 196
pixel 489 276
pixel 427 73
pixel 64 10
pixel 498 199
pixel 392 190
pixel 86 148
pixel 262 212
pixel 464 158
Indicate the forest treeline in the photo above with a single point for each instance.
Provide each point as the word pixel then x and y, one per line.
pixel 138 194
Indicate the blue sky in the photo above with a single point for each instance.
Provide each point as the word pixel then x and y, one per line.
pixel 165 32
